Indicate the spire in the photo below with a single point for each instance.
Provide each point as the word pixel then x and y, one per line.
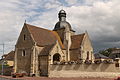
pixel 62 15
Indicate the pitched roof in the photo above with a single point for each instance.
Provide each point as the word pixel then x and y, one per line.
pixel 10 56
pixel 58 38
pixel 3 56
pixel 44 37
pixel 100 56
pixel 45 51
pixel 76 41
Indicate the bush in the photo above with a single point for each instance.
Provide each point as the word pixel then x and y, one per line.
pixel 108 61
pixel 88 61
pixel 98 61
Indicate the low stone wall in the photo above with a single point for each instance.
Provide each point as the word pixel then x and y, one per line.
pixel 84 70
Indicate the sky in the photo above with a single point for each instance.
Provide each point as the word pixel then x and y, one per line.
pixel 100 18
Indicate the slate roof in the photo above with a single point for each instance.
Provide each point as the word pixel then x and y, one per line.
pixel 77 41
pixel 100 56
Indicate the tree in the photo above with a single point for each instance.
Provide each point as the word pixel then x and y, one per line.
pixel 106 52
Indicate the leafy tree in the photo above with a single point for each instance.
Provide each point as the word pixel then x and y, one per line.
pixel 106 52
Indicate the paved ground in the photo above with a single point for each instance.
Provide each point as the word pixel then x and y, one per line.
pixel 45 78
pixel 67 79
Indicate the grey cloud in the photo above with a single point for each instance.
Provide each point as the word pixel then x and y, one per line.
pixel 99 17
pixel 101 21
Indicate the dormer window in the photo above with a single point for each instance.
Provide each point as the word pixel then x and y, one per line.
pixel 23 53
pixel 24 37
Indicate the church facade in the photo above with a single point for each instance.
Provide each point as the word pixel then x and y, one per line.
pixel 38 48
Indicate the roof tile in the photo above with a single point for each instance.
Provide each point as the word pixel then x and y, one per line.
pixel 76 41
pixel 43 36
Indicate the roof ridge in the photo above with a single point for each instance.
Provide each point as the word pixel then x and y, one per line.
pixel 29 25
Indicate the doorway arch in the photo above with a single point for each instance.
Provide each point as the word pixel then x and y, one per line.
pixel 56 57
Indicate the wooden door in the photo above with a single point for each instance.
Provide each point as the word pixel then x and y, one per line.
pixel 43 65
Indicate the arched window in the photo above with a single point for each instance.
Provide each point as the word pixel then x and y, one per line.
pixel 87 55
pixel 117 55
pixel 56 57
pixel 23 53
pixel 24 38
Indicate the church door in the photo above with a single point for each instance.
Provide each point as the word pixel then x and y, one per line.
pixel 43 65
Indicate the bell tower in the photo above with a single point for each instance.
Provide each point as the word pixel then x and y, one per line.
pixel 64 30
pixel 62 15
pixel 62 24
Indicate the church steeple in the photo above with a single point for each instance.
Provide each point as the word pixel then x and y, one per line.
pixel 62 15
pixel 64 30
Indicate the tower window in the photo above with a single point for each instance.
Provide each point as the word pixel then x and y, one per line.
pixel 87 55
pixel 116 56
pixel 23 53
pixel 24 37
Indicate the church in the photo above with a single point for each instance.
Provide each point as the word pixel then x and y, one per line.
pixel 38 48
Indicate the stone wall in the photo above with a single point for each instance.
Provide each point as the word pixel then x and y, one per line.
pixel 74 54
pixel 23 62
pixel 24 43
pixel 84 70
pixel 87 48
pixel 54 50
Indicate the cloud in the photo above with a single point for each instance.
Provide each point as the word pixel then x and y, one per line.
pixel 101 20
pixel 71 2
pixel 15 12
pixel 99 17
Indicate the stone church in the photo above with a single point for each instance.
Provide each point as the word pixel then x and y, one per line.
pixel 37 48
